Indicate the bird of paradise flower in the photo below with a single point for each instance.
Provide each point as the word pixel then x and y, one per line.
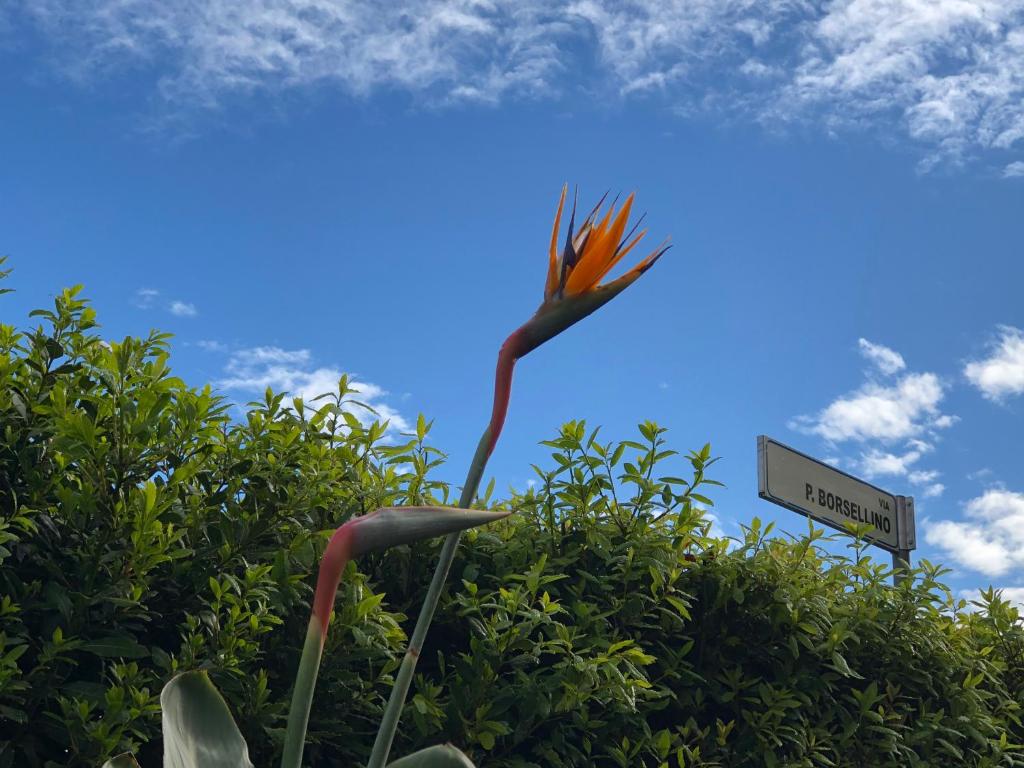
pixel 572 290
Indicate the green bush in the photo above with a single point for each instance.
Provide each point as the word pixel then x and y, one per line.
pixel 145 528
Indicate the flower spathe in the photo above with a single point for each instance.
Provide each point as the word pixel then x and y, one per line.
pixel 387 527
pixel 573 288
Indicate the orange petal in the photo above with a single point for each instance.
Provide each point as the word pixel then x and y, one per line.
pixel 600 252
pixel 619 226
pixel 644 265
pixel 552 281
pixel 588 270
pixel 620 254
pixel 607 217
pixel 611 243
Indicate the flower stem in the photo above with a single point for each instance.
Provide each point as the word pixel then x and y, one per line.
pixel 510 351
pixel 332 565
pixel 302 698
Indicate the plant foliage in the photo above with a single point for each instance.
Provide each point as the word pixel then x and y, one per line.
pixel 147 528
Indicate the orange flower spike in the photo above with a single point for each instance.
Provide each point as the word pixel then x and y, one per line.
pixel 597 256
pixel 591 253
pixel 552 281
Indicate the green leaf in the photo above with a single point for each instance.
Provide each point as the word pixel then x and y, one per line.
pixel 840 664
pixel 438 756
pixel 116 647
pixel 150 493
pixel 198 729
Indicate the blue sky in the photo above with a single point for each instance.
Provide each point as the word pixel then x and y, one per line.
pixel 305 188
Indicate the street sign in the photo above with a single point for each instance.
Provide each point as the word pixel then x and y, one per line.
pixel 811 487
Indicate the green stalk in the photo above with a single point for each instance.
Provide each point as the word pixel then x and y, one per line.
pixel 302 697
pixel 552 318
pixel 387 527
pixel 393 710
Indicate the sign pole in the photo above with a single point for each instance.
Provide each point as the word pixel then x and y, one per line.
pixel 901 557
pixel 900 566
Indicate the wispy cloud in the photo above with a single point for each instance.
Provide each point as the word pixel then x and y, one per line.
pixel 1014 169
pixel 875 463
pixel 294 371
pixel 149 298
pixel 991 538
pixel 453 49
pixel 182 309
pixel 922 476
pixel 886 360
pixel 951 71
pixel 212 345
pixel 948 73
pixel 145 298
pixel 1001 374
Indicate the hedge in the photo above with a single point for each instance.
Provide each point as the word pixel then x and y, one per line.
pixel 146 527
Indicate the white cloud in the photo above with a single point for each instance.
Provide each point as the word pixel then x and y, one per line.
pixel 653 44
pixel 904 412
pixel 460 49
pixel 887 361
pixel 952 71
pixel 182 309
pixel 906 409
pixel 212 345
pixel 875 463
pixel 991 538
pixel 949 73
pixel 145 298
pixel 1013 170
pixel 293 371
pixel 1002 373
pixel 922 476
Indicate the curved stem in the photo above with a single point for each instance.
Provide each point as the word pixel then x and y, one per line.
pixel 510 352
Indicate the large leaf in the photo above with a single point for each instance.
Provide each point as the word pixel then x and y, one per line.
pixel 437 756
pixel 199 731
pixel 122 761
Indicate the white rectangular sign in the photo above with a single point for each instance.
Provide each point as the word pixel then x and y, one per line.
pixel 813 488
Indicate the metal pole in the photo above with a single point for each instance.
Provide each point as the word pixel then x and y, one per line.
pixel 907 539
pixel 900 566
